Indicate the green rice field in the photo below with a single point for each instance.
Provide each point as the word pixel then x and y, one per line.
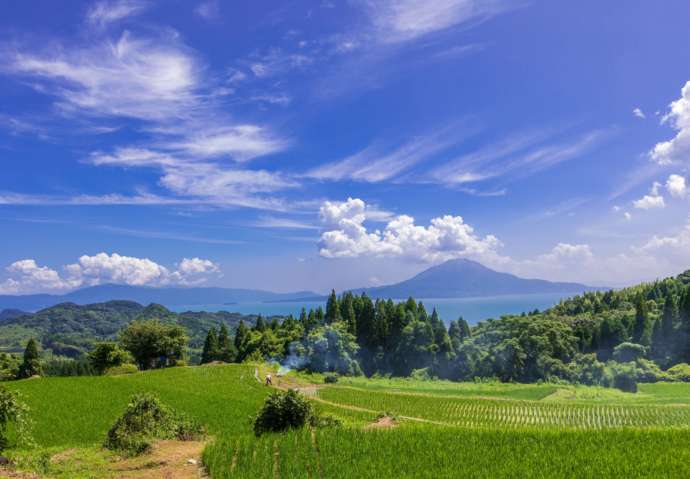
pixel 441 429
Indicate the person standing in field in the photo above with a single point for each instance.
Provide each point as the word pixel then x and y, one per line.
pixel 269 381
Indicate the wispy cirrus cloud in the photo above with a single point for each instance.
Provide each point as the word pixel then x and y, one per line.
pixel 396 21
pixel 517 157
pixel 105 12
pixel 377 162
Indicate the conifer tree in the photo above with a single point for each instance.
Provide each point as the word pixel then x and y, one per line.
pixel 332 309
pixel 240 340
pixel 31 366
pixel 260 324
pixel 210 351
pixel 640 320
pixel 226 349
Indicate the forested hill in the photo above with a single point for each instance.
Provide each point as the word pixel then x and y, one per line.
pixel 462 278
pixel 70 329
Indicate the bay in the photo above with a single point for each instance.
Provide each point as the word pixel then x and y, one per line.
pixel 472 309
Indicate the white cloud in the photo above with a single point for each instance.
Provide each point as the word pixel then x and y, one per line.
pixel 376 163
pixel 105 12
pixel 517 156
pixel 208 10
pixel 139 78
pixel 676 150
pixel 402 20
pixel 652 200
pixel 27 277
pixel 639 113
pixel 677 186
pixel 627 216
pixel 446 237
pixel 241 142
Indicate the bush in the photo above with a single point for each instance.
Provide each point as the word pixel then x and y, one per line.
pixel 14 412
pixel 626 352
pixel 679 372
pixel 625 381
pixel 146 419
pixel 123 369
pixel 330 379
pixel 283 411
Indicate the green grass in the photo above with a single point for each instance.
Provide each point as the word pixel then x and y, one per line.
pixel 450 453
pixel 79 411
pixel 472 429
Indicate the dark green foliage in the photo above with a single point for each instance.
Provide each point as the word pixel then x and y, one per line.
pixel 9 366
pixel 330 378
pixel 69 367
pixel 283 411
pixel 145 419
pixel 71 330
pixel 332 309
pixel 211 349
pixel 625 380
pixel 154 344
pixel 106 355
pixel 31 365
pixel 626 352
pixel 14 412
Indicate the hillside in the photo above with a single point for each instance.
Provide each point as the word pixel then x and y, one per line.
pixel 462 278
pixel 441 429
pixel 170 297
pixel 70 329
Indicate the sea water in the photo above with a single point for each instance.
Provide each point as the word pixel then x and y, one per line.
pixel 472 310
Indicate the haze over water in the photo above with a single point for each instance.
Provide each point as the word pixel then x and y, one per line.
pixel 472 309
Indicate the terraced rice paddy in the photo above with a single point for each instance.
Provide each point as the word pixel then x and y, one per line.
pixel 443 429
pixel 507 413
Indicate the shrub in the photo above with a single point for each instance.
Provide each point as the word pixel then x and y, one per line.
pixel 283 411
pixel 626 352
pixel 625 381
pixel 421 374
pixel 14 411
pixel 679 372
pixel 330 379
pixel 107 355
pixel 123 369
pixel 146 419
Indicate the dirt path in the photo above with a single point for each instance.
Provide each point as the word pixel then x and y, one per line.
pixel 168 460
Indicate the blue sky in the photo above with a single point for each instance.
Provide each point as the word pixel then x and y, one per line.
pixel 318 144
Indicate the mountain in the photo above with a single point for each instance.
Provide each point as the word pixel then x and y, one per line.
pixel 170 297
pixel 6 314
pixel 463 278
pixel 70 329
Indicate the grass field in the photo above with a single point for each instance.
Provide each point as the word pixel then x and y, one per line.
pixel 444 429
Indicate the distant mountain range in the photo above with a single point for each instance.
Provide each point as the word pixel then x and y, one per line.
pixel 463 278
pixel 170 297
pixel 460 278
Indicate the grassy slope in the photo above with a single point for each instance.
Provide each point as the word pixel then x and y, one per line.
pixel 78 411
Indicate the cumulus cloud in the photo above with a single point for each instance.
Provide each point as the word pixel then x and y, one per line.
pixel 639 113
pixel 447 237
pixel 25 276
pixel 677 186
pixel 652 200
pixel 676 150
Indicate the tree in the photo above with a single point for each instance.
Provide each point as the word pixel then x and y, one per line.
pixel 627 352
pixel 241 335
pixel 31 366
pixel 260 324
pixel 211 349
pixel 226 349
pixel 641 320
pixel 332 309
pixel 154 344
pixel 107 355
